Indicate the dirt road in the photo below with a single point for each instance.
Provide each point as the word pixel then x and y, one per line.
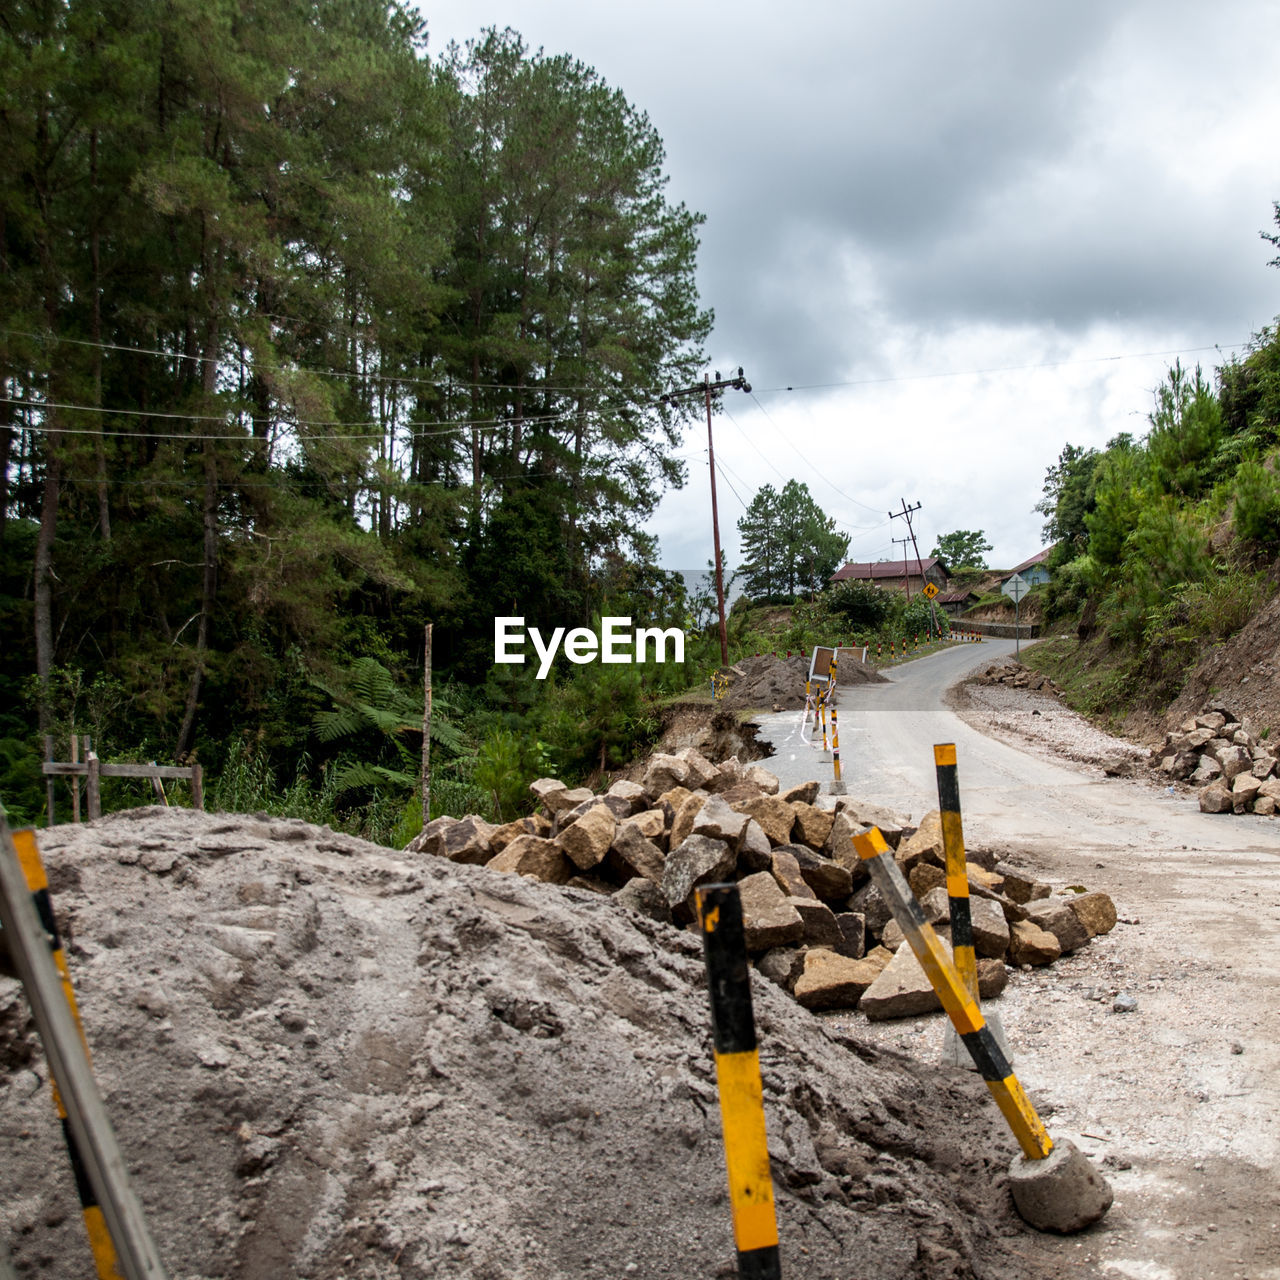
pixel 1177 1101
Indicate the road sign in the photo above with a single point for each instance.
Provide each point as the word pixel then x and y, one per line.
pixel 929 590
pixel 1016 587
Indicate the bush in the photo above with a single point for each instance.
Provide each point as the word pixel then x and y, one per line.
pixel 1257 511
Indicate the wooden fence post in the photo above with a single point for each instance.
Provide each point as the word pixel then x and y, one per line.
pixel 197 786
pixel 426 726
pixel 93 789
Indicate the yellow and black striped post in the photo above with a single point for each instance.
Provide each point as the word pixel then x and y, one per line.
pixel 733 1027
pixel 961 1007
pixel 835 742
pixel 104 1252
pixel 966 960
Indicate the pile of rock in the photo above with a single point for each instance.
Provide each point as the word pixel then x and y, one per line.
pixel 1016 676
pixel 814 923
pixel 1235 771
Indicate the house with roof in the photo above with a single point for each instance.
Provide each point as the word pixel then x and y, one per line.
pixel 908 575
pixel 1033 571
pixel 953 603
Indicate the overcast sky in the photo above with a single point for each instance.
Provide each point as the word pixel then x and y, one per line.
pixel 963 234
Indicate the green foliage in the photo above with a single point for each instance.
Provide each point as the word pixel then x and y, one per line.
pixel 1257 505
pixel 964 549
pixel 860 604
pixel 789 544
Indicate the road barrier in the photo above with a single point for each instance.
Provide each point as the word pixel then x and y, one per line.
pixel 746 1150
pixel 961 1007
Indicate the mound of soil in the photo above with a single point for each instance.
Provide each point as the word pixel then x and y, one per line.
pixel 324 1059
pixel 770 682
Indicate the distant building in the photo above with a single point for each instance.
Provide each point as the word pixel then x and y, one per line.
pixel 898 575
pixel 955 602
pixel 1033 571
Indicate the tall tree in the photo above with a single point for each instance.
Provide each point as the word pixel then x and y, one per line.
pixel 963 549
pixel 789 544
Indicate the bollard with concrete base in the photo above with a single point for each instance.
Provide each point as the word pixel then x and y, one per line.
pixel 1052 1192
pixel 954 1052
pixel 1062 1193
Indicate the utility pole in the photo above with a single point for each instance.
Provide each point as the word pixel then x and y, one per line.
pixel 907 513
pixel 740 383
pixel 906 573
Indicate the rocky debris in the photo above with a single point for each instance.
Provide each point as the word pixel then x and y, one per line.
pixel 1234 770
pixel 325 1059
pixel 804 888
pixel 1016 676
pixel 903 990
pixel 777 681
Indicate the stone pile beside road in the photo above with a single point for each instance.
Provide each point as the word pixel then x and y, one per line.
pixel 1235 771
pixel 815 924
pixel 1016 676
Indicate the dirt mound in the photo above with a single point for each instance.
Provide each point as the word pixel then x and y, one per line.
pixel 778 683
pixel 327 1060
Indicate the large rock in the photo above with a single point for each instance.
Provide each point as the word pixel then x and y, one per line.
pixel 891 824
pixel 465 841
pixel 786 871
pixel 662 773
pixel 701 771
pixel 853 934
pixel 1244 790
pixel 1030 944
pixel 769 919
pixel 652 824
pixel 1216 797
pixel 699 860
pixel 1213 720
pixel 717 820
pixel 536 857
pixel 925 845
pixel 904 990
pixel 1270 788
pixel 1234 761
pixel 776 817
pixel 428 839
pixel 812 825
pixel 1054 915
pixel 1021 886
pixel 924 877
pixel 1263 766
pixel 802 793
pixel 782 966
pixel 762 778
pixel 645 897
pixel 990 929
pixel 870 904
pixel 1095 911
pixel 631 792
pixel 548 791
pixel 619 807
pixel 833 981
pixel 839 846
pixel 1207 771
pixel 587 841
pixel 634 854
pixel 535 825
pixel 826 878
pixel 755 853
pixel 820 926
pixel 685 816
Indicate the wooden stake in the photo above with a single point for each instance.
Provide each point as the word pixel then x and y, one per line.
pixel 75 782
pixel 426 725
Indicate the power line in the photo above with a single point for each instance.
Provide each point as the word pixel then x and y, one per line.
pixel 1010 368
pixel 447 384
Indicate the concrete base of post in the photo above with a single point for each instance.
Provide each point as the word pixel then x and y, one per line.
pixel 837 789
pixel 954 1053
pixel 1062 1193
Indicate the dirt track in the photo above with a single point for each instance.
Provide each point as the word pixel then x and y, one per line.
pixel 1179 1100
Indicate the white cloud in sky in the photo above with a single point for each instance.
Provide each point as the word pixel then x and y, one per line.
pixel 907 191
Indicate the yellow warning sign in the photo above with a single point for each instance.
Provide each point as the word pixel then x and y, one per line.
pixel 929 590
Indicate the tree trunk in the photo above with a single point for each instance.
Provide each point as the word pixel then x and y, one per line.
pixel 43 620
pixel 209 590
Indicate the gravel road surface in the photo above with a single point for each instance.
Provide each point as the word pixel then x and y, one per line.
pixel 1178 1100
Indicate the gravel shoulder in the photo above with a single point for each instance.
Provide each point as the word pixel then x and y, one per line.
pixel 1178 1100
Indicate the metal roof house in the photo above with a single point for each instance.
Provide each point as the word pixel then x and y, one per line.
pixel 898 575
pixel 1033 571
